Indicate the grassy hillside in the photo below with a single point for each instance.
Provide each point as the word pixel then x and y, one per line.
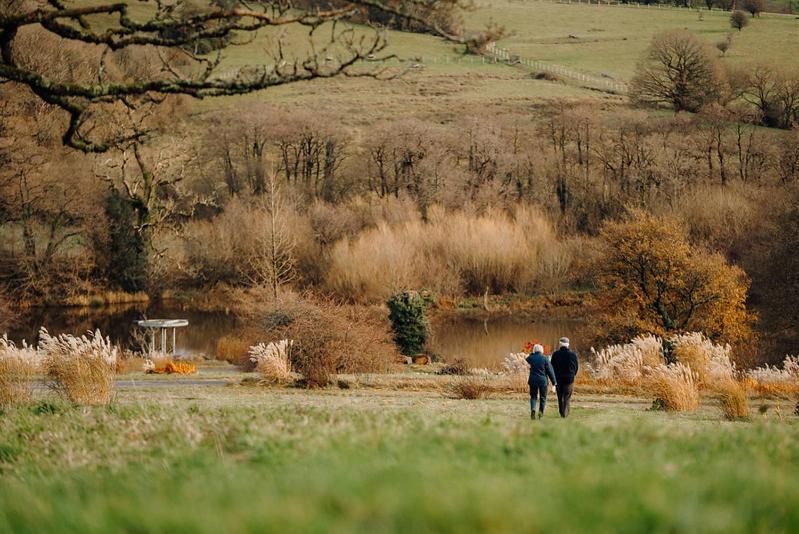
pixel 606 41
pixel 253 460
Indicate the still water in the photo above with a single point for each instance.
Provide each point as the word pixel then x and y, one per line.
pixel 482 343
pixel 485 343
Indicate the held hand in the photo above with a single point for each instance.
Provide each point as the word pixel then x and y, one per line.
pixel 553 389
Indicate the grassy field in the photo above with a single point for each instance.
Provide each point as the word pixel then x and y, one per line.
pixel 240 459
pixel 611 39
pixel 605 41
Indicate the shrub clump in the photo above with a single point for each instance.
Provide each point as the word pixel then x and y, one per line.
pixel 80 368
pixel 469 388
pixel 734 401
pixel 406 311
pixel 327 338
pixel 18 366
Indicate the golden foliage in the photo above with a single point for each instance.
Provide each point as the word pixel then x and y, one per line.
pixel 172 367
pixel 652 280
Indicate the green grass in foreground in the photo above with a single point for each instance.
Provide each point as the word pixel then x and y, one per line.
pixel 237 460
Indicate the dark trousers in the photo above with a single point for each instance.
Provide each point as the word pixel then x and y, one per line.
pixel 538 389
pixel 564 397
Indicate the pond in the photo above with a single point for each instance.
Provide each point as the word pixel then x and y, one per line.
pixel 482 343
pixel 485 343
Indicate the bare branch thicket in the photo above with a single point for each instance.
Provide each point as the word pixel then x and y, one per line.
pixel 171 32
pixel 774 93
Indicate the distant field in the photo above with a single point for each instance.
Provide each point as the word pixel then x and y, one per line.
pixel 610 39
pixel 234 459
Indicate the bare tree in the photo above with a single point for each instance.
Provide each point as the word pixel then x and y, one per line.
pixel 679 70
pixel 273 259
pixel 170 33
pixel 754 7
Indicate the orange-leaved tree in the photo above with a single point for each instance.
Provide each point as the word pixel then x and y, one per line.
pixel 651 279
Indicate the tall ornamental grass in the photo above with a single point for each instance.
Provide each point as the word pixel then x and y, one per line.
pixel 18 368
pixel 734 400
pixel 673 387
pixel 630 363
pixel 273 360
pixel 80 368
pixel 773 380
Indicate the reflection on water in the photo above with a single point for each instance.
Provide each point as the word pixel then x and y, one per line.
pixel 481 343
pixel 485 343
pixel 118 322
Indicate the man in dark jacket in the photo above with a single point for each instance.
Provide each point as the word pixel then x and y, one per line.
pixel 540 371
pixel 564 361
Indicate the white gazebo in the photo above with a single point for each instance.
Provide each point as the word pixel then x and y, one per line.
pixel 162 325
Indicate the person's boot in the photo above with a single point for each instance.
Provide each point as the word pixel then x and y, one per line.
pixel 540 415
pixel 532 415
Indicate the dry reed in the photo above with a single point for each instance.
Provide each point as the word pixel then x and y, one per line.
pixel 734 401
pixel 80 368
pixel 273 360
pixel 233 349
pixel 18 367
pixel 451 253
pixel 674 388
pixel 775 381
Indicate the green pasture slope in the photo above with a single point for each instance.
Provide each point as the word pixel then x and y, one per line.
pixel 599 40
pixel 260 460
pixel 611 39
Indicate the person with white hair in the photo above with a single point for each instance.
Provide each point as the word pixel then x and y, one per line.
pixel 565 363
pixel 540 372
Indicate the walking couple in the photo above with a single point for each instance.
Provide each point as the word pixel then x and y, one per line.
pixel 560 371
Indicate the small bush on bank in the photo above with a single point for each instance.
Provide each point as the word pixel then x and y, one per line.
pixel 674 388
pixel 710 362
pixel 516 363
pixel 734 401
pixel 406 311
pixel 18 366
pixel 469 388
pixel 80 368
pixel 328 338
